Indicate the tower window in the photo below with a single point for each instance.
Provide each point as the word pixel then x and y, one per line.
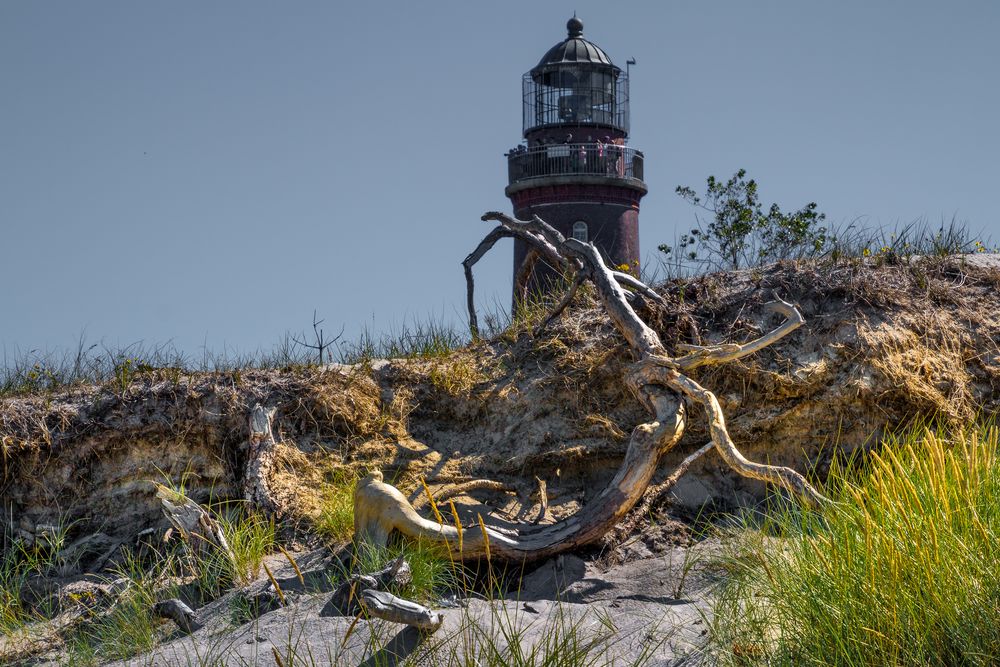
pixel 580 231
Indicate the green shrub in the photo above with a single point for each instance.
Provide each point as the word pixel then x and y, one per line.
pixel 740 232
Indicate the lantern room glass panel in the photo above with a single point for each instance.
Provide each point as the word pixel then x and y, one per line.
pixel 576 95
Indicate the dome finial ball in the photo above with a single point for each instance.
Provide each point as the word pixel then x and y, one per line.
pixel 574 27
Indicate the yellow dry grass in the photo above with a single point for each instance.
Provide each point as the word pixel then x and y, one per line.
pixel 924 357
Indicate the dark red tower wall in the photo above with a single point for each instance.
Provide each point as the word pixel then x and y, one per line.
pixel 610 211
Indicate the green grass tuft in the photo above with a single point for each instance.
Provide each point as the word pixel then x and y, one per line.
pixel 335 522
pixel 251 537
pixel 129 627
pixel 902 570
pixel 433 573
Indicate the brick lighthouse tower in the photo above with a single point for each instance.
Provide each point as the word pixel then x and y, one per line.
pixel 575 169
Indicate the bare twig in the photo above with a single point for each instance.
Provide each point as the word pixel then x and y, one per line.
pixel 321 344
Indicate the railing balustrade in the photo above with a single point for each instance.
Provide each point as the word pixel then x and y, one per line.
pixel 595 159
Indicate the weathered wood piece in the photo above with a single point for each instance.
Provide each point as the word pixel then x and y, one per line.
pixel 192 522
pixel 388 607
pixel 470 284
pixel 656 378
pixel 178 612
pixel 472 485
pixel 346 597
pixel 260 460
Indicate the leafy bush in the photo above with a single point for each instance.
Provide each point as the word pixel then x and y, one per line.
pixel 741 232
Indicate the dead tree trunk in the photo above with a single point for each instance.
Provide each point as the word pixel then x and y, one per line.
pixel 656 378
pixel 260 461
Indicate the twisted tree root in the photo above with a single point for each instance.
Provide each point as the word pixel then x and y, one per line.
pixel 656 378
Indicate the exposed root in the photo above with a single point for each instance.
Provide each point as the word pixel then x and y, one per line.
pixel 656 378
pixel 682 467
pixel 543 498
pixel 471 485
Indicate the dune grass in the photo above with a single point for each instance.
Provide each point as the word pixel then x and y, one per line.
pixel 251 537
pixel 130 627
pixel 433 574
pixel 902 570
pixel 19 564
pixel 41 371
pixel 335 522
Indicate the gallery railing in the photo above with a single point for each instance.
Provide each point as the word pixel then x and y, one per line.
pixel 593 159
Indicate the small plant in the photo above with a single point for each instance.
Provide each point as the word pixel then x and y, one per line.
pixel 741 232
pixel 320 343
pixel 251 537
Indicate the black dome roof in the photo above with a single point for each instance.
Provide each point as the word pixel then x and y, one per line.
pixel 575 50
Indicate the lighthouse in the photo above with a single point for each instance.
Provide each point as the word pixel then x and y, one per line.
pixel 575 168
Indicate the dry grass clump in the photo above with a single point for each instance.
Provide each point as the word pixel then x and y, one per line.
pixel 341 404
pixel 457 374
pixel 923 356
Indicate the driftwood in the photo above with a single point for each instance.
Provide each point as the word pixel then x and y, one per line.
pixel 178 612
pixel 656 377
pixel 367 594
pixel 260 460
pixel 193 523
pixel 396 573
pixel 388 607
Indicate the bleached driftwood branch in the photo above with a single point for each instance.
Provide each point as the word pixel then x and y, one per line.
pixel 388 607
pixel 366 593
pixel 656 378
pixel 193 523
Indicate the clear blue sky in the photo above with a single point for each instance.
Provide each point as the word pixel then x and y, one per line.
pixel 211 172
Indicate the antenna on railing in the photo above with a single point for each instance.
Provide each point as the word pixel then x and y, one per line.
pixel 631 61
